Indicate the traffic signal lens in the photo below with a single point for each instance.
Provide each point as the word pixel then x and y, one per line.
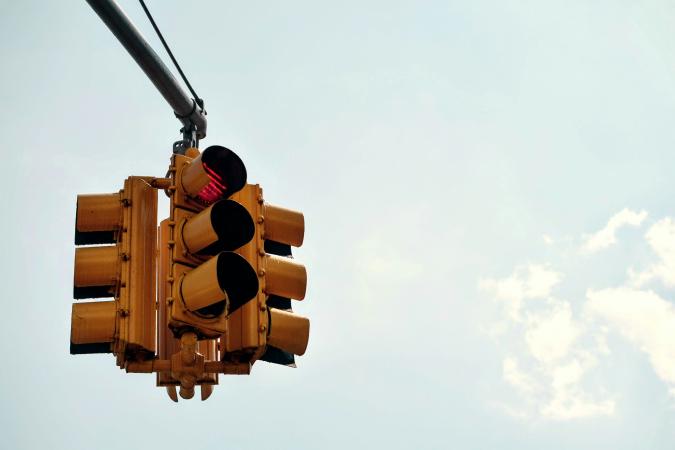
pixel 215 174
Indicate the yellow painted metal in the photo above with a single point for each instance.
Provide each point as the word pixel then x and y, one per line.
pixel 98 212
pixel 247 327
pixel 206 391
pixel 182 318
pixel 96 266
pixel 137 294
pixel 283 225
pixel 288 331
pixel 93 322
pixel 182 262
pixel 208 348
pixel 192 177
pixel 285 277
pixel 125 271
pixel 167 344
pixel 199 288
pixel 197 232
pixel 247 333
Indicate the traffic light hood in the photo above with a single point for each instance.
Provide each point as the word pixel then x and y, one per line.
pixel 215 174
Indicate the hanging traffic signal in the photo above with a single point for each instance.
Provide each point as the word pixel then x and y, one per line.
pixel 123 269
pixel 266 326
pixel 207 293
pixel 208 279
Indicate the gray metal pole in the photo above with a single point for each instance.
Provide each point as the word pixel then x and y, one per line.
pixel 185 108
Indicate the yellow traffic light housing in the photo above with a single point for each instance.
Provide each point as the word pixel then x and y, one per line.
pixel 207 293
pixel 260 326
pixel 124 270
pixel 208 279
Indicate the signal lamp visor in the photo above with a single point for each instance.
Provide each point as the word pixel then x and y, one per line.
pixel 225 225
pixel 227 277
pixel 284 225
pixel 93 322
pixel 288 331
pixel 97 219
pixel 95 271
pixel 215 174
pixel 285 277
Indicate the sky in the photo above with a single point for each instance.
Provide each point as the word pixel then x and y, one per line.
pixel 487 190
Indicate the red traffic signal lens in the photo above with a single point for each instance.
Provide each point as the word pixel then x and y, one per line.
pixel 225 171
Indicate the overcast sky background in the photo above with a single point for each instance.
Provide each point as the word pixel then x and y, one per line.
pixel 487 188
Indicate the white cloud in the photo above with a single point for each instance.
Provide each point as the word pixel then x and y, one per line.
pixel 517 378
pixel 645 319
pixel 661 238
pixel 607 236
pixel 553 346
pixel 550 335
pixel 554 391
pixel 569 404
pixel 548 373
pixel 527 282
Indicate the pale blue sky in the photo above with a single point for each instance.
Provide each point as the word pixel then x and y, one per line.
pixel 456 162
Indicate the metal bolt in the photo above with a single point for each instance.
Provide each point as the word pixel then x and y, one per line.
pixel 261 273
pixel 261 219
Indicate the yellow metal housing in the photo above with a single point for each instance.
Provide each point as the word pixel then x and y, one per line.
pixel 284 277
pixel 98 218
pixel 167 344
pixel 201 287
pixel 202 224
pixel 288 331
pixel 137 292
pixel 125 271
pixel 283 225
pixel 93 322
pixel 248 328
pixel 96 271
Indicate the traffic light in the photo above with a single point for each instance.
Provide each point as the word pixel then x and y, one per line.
pixel 208 280
pixel 167 344
pixel 208 292
pixel 122 269
pixel 265 328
